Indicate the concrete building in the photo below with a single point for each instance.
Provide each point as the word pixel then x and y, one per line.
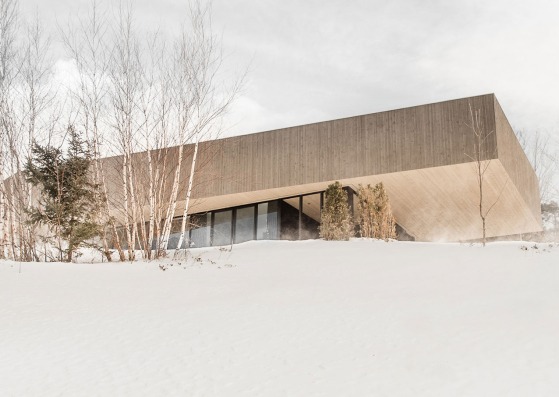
pixel 268 185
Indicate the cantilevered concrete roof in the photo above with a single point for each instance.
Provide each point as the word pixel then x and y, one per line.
pixel 422 154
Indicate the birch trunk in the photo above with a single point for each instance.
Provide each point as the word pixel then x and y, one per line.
pixel 3 236
pixel 188 194
pixel 12 225
pixel 100 188
pixel 160 176
pixel 97 180
pixel 117 242
pixel 134 206
pixel 172 203
pixel 152 202
pixel 3 228
pixel 126 207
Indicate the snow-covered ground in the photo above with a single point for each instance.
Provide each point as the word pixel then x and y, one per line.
pixel 312 318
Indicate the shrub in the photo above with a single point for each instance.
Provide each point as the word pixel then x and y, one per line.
pixel 335 222
pixel 375 217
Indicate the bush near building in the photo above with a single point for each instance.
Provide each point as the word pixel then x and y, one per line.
pixel 375 217
pixel 336 222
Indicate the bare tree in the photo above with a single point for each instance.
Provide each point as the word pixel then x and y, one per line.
pixel 38 97
pixel 24 98
pixel 157 98
pixel 204 63
pixel 482 160
pixel 88 47
pixel 124 71
pixel 9 70
pixel 136 98
pixel 155 103
pixel 199 102
pixel 542 154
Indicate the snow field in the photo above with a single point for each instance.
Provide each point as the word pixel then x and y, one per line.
pixel 310 318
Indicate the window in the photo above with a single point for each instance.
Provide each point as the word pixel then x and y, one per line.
pixel 244 224
pixel 175 233
pixel 267 221
pixel 200 230
pixel 222 227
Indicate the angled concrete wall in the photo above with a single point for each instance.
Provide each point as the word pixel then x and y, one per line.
pixel 393 141
pixel 423 154
pixel 516 163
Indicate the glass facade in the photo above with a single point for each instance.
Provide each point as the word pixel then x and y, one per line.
pixel 235 225
pixel 262 232
pixel 267 227
pixel 174 237
pixel 291 218
pixel 222 227
pixel 244 224
pixel 310 217
pixel 271 220
pixel 200 227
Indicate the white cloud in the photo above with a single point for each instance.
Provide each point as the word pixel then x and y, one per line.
pixel 65 74
pixel 316 60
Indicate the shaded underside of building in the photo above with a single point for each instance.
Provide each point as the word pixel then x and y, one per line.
pixel 269 185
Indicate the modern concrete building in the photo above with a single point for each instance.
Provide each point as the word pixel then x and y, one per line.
pixel 268 185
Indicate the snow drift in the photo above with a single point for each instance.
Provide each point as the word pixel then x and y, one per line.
pixel 311 318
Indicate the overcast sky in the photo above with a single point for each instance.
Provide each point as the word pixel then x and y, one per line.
pixel 318 60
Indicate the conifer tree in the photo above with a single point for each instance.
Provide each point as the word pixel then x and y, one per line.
pixel 365 210
pixel 374 212
pixel 335 223
pixel 67 202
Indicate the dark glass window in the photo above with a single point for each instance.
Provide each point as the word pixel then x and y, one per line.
pixel 267 222
pixel 289 223
pixel 311 216
pixel 244 224
pixel 175 233
pixel 222 227
pixel 200 230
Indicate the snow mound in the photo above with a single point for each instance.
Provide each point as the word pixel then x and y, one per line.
pixel 309 318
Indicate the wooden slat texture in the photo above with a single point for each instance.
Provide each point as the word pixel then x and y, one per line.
pixel 399 140
pixel 516 163
pixel 423 155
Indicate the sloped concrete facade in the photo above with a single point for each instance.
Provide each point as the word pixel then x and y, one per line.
pixel 422 154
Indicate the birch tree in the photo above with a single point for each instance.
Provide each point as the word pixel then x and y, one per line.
pixel 135 97
pixel 24 99
pixel 124 80
pixel 482 160
pixel 201 102
pixel 154 105
pixel 88 46
pixel 8 20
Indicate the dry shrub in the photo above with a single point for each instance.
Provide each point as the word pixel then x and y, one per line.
pixel 336 223
pixel 375 217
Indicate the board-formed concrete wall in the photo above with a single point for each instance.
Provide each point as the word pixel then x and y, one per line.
pixel 393 141
pixel 423 154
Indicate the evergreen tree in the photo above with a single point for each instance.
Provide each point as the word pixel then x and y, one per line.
pixel 335 222
pixel 67 203
pixel 365 209
pixel 374 213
